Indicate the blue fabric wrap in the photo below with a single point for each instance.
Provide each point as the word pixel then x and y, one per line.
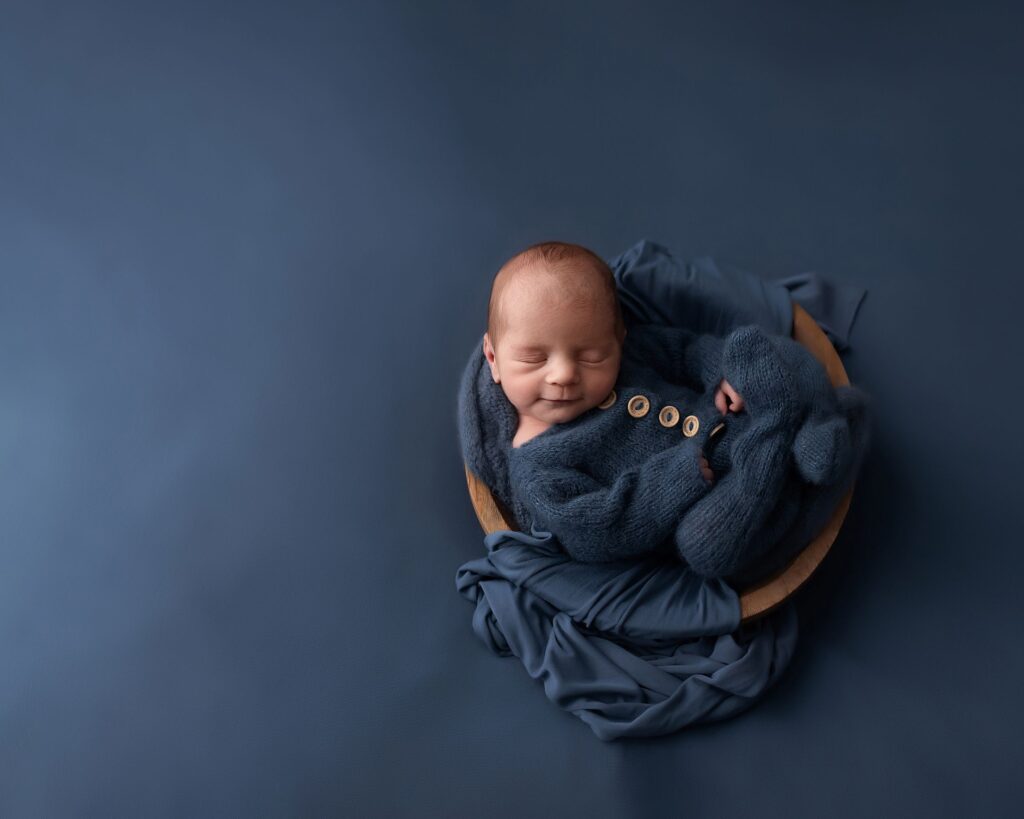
pixel 640 647
pixel 709 297
pixel 634 649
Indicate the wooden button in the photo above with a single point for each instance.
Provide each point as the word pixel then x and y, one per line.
pixel 690 425
pixel 638 406
pixel 608 401
pixel 669 416
pixel 717 429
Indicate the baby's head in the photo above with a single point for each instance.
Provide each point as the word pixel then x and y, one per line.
pixel 554 332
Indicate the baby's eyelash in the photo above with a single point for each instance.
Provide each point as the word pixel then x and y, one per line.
pixel 582 361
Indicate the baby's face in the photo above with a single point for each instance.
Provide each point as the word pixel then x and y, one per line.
pixel 554 361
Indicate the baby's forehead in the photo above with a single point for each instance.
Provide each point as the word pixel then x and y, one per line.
pixel 541 332
pixel 538 321
pixel 528 293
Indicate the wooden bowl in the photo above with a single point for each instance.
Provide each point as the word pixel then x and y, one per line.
pixel 770 593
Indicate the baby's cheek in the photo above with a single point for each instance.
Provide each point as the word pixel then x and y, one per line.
pixel 606 383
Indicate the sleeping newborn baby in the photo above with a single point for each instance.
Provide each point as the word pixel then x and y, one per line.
pixel 652 438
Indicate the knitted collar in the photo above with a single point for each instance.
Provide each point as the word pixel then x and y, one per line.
pixel 487 424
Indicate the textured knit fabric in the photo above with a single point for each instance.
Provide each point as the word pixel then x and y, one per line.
pixel 788 469
pixel 612 486
pixel 609 485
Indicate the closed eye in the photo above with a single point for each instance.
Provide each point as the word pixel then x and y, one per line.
pixel 582 360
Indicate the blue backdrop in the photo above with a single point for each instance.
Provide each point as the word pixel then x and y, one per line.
pixel 243 252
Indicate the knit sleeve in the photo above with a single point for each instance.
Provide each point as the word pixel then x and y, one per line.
pixel 598 523
pixel 716 537
pixel 679 355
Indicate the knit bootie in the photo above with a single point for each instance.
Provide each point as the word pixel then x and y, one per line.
pixel 814 488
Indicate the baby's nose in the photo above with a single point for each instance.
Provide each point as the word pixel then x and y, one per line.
pixel 565 373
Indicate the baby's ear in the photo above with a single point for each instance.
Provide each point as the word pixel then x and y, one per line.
pixel 489 355
pixel 822 450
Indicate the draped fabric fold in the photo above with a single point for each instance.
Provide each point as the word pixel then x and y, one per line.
pixel 708 296
pixel 634 648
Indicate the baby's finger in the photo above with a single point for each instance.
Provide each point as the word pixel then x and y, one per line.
pixel 735 399
pixel 720 401
pixel 705 470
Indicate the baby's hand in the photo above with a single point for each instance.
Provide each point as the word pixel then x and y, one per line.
pixel 705 469
pixel 727 399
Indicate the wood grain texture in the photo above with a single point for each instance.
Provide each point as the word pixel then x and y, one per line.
pixel 773 591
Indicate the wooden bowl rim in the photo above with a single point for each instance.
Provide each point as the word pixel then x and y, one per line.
pixel 771 592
